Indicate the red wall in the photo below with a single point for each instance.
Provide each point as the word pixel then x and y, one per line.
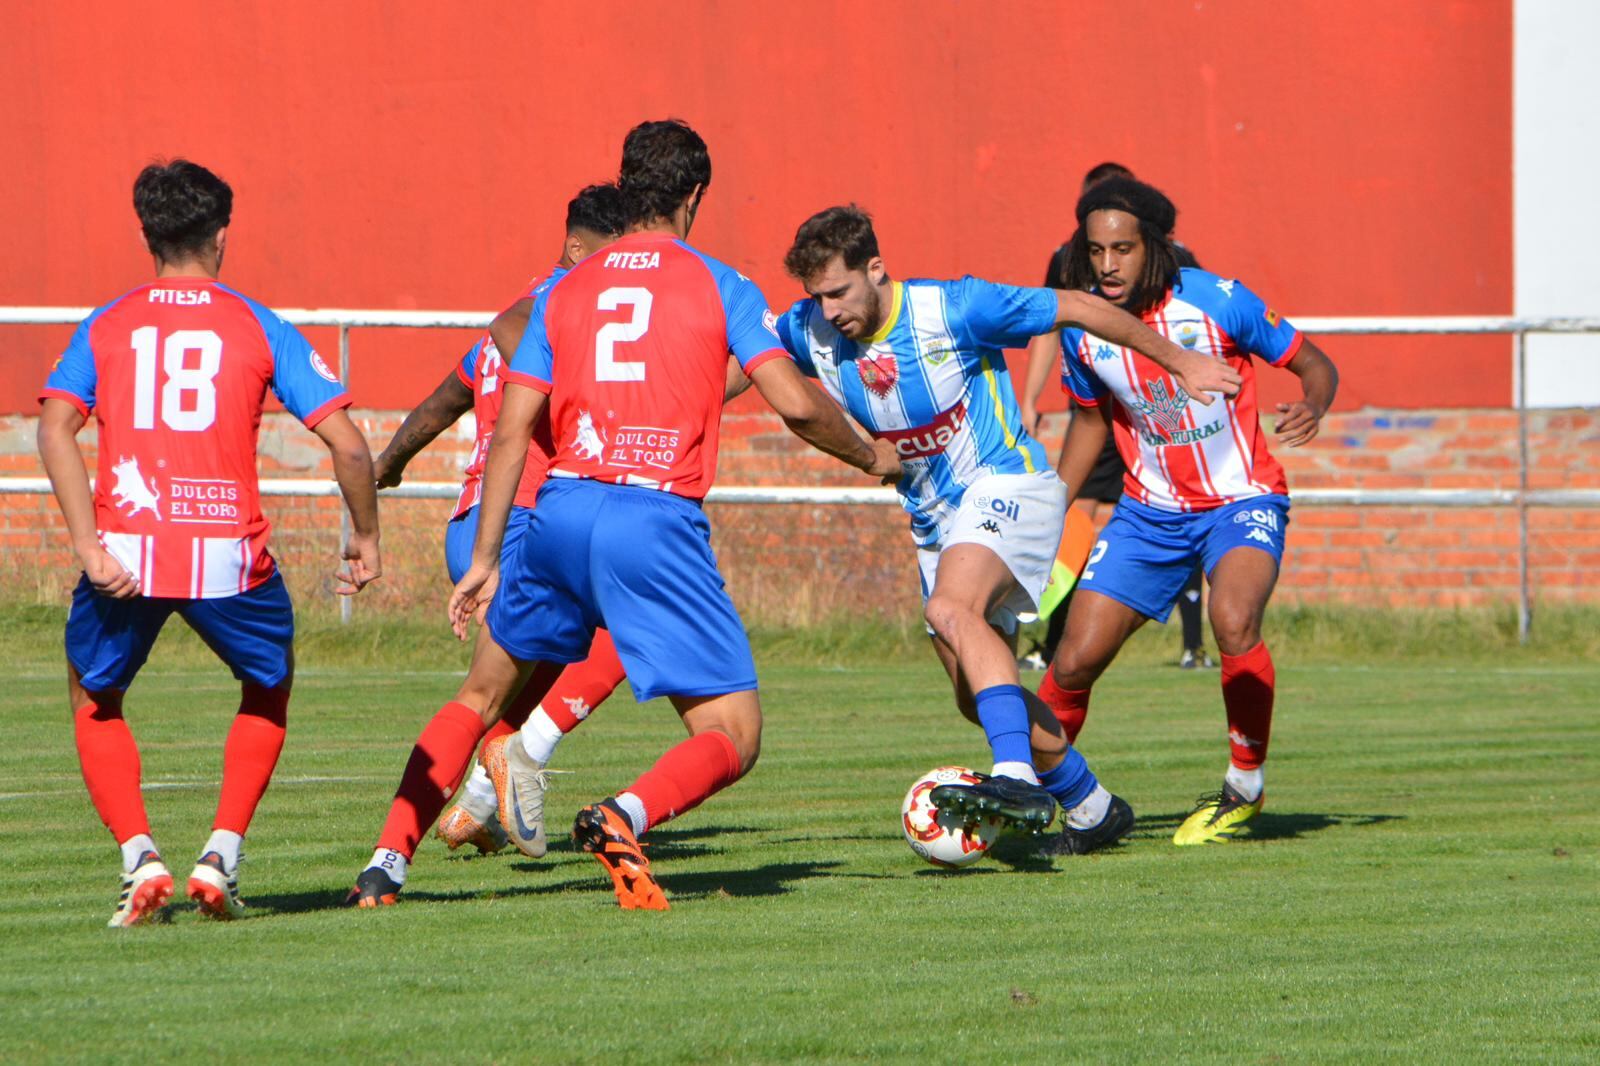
pixel 1349 158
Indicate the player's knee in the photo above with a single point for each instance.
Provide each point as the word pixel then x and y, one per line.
pixel 1237 627
pixel 1076 669
pixel 946 615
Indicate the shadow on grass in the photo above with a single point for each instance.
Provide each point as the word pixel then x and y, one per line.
pixel 1267 825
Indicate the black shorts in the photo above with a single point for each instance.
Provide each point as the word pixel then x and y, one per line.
pixel 1104 482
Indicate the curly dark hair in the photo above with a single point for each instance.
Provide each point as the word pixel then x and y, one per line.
pixel 1157 217
pixel 845 231
pixel 181 205
pixel 662 162
pixel 598 209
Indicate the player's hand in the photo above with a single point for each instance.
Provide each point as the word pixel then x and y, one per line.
pixel 885 462
pixel 1201 375
pixel 471 596
pixel 364 565
pixel 1298 423
pixel 386 471
pixel 1030 420
pixel 109 578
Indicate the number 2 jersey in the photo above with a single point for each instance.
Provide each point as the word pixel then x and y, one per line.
pixel 176 373
pixel 1180 455
pixel 632 347
pixel 481 370
pixel 933 381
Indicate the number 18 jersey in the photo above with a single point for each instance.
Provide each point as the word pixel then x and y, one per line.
pixel 176 373
pixel 632 347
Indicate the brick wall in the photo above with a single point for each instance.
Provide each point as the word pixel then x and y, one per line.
pixel 798 563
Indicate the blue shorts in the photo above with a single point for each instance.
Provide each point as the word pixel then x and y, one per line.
pixel 638 562
pixel 1144 555
pixel 462 532
pixel 109 640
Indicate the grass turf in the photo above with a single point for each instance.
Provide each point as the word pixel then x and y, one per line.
pixel 1421 886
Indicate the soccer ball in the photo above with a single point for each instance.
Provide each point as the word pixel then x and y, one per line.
pixel 940 836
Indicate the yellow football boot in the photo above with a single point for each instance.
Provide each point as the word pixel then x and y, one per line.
pixel 1217 816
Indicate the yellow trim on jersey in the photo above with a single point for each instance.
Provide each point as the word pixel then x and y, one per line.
pixel 1000 416
pixel 894 316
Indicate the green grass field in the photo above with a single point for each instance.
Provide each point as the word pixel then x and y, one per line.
pixel 1422 886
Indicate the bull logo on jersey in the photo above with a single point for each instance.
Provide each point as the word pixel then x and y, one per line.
pixel 131 488
pixel 878 373
pixel 590 442
pixel 1165 408
pixel 322 368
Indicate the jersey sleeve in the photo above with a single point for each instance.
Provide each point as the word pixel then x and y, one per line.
pixel 73 378
pixel 1079 381
pixel 305 384
pixel 752 328
pixel 1257 328
pixel 1004 316
pixel 531 364
pixel 467 369
pixel 792 335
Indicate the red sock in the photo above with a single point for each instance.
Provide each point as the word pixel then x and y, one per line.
pixel 686 775
pixel 1069 705
pixel 584 686
pixel 1247 685
pixel 250 755
pixel 110 762
pixel 437 764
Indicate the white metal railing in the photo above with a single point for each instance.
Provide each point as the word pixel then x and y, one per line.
pixel 1522 498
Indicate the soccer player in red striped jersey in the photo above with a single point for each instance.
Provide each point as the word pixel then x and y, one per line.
pixel 176 372
pixel 1201 483
pixel 629 353
pixel 551 706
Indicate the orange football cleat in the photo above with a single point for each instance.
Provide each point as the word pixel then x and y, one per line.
pixel 602 829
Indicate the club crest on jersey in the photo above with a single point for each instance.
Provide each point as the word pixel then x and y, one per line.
pixel 588 441
pixel 878 373
pixel 938 353
pixel 1187 335
pixel 322 368
pixel 132 489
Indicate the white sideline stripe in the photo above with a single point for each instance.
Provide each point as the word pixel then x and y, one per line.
pixel 169 786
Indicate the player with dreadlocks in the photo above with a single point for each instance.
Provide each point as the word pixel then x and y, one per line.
pixel 1201 482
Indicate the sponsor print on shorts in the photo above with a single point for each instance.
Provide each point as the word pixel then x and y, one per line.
pixel 996 507
pixel 1263 525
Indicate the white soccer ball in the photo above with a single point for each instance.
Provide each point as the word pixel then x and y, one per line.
pixel 940 836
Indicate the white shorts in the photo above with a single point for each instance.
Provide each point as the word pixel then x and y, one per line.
pixel 1019 517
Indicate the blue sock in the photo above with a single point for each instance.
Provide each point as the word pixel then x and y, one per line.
pixel 1070 782
pixel 1004 717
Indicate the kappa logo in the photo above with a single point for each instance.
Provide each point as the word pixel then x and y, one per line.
pixel 1104 353
pixel 578 706
pixel 1226 285
pixel 989 525
pixel 589 442
pixel 131 489
pixel 1165 408
pixel 1256 533
pixel 322 368
pixel 1242 740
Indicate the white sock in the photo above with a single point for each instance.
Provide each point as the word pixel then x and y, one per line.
pixel 1020 770
pixel 634 807
pixel 134 847
pixel 392 863
pixel 1248 783
pixel 479 797
pixel 540 736
pixel 225 844
pixel 1092 811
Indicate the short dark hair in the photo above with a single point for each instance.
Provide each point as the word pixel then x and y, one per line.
pixel 845 231
pixel 181 205
pixel 1100 173
pixel 662 162
pixel 1157 216
pixel 598 209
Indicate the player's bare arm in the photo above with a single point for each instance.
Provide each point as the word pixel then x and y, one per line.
pixel 1044 354
pixel 1086 436
pixel 352 468
pixel 738 382
pixel 1299 422
pixel 1197 374
pixel 59 423
pixel 508 326
pixel 817 420
pixel 431 417
pixel 520 411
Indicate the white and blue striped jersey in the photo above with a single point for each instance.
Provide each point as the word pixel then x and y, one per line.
pixel 933 381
